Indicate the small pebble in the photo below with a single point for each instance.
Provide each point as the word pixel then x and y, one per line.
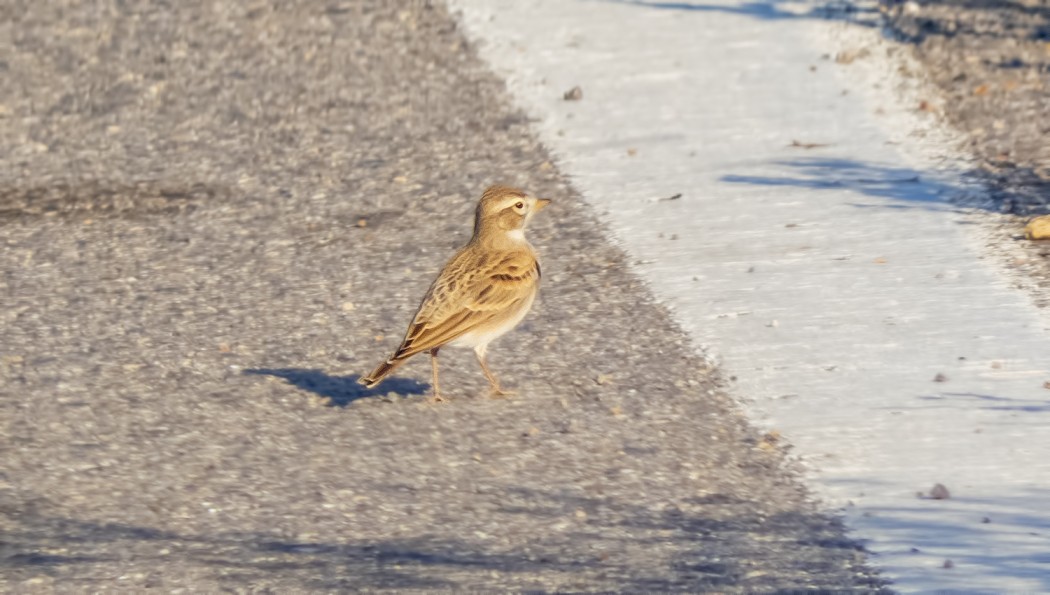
pixel 573 94
pixel 939 492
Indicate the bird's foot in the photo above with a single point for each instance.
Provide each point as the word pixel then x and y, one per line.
pixel 435 399
pixel 498 393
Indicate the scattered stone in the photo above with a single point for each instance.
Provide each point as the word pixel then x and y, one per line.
pixel 848 56
pixel 573 94
pixel 940 378
pixel 939 492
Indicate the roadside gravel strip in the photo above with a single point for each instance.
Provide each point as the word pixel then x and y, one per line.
pixel 216 215
pixel 990 62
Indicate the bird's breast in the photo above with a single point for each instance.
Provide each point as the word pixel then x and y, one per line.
pixel 496 327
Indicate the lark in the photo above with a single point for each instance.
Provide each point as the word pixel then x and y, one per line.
pixel 482 293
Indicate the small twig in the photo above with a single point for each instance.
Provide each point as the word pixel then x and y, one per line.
pixel 801 145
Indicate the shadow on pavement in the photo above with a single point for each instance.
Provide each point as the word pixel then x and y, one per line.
pixel 1003 44
pixel 875 180
pixel 37 544
pixel 912 188
pixel 1031 18
pixel 986 402
pixel 237 557
pixel 771 10
pixel 341 390
pixel 940 529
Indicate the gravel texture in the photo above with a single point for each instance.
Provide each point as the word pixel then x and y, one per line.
pixel 216 214
pixel 990 60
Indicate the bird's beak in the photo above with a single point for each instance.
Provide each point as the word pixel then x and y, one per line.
pixel 542 202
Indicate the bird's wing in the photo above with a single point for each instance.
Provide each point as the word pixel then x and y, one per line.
pixel 471 291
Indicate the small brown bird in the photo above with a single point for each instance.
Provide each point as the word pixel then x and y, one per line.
pixel 483 292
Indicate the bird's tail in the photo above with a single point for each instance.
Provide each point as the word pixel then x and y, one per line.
pixel 382 371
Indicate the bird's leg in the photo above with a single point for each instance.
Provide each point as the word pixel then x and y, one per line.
pixel 436 397
pixel 497 391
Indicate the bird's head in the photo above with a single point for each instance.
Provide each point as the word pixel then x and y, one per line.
pixel 504 210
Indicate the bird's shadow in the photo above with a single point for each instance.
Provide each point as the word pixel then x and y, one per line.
pixel 341 390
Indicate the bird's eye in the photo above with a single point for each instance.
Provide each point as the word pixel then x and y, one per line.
pixel 519 206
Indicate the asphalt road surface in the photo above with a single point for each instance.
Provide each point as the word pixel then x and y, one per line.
pixel 216 215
